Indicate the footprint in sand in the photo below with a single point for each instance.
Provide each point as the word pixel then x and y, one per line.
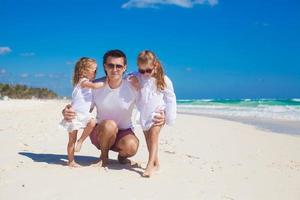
pixel 192 156
pixel 170 152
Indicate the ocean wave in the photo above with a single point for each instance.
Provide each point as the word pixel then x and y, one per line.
pixel 241 102
pixel 262 111
pixel 296 100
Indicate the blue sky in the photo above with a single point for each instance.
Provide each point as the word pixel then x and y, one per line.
pixel 209 48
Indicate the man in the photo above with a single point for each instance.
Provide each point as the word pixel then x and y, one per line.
pixel 114 103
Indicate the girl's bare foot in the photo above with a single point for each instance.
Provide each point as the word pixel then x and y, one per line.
pixel 78 146
pixel 150 169
pixel 73 164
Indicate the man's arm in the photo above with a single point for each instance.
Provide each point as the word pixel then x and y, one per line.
pixel 68 113
pixel 160 119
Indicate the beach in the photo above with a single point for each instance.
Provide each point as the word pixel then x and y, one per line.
pixel 201 158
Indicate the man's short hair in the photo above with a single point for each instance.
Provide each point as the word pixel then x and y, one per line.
pixel 115 53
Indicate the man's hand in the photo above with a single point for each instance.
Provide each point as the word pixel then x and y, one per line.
pixel 159 119
pixel 68 113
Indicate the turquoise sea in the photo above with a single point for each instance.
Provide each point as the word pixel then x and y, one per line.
pixel 278 115
pixel 284 109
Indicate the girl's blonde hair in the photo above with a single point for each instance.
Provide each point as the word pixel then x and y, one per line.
pixel 82 65
pixel 149 58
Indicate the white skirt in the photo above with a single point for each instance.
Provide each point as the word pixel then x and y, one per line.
pixel 146 121
pixel 80 122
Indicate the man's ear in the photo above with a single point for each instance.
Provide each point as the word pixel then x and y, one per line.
pixel 104 68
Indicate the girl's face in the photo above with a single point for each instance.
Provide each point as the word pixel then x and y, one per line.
pixel 146 70
pixel 91 72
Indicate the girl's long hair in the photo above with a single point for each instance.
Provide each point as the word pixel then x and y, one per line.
pixel 149 58
pixel 82 65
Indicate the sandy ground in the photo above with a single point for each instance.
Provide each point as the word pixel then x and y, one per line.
pixel 201 158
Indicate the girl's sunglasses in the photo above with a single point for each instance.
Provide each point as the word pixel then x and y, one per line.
pixel 143 71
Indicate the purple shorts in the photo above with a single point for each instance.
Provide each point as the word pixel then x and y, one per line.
pixel 120 135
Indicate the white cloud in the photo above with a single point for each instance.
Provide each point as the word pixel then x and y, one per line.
pixel 27 54
pixel 24 75
pixel 55 76
pixel 2 71
pixel 4 50
pixel 157 3
pixel 262 24
pixel 210 2
pixel 70 63
pixel 266 24
pixel 188 69
pixel 39 75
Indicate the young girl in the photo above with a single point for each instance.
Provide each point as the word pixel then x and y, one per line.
pixel 84 72
pixel 156 95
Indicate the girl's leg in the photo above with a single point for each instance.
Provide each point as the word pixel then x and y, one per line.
pixel 147 137
pixel 152 145
pixel 146 134
pixel 70 149
pixel 86 132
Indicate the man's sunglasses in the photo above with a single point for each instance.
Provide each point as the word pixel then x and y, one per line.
pixel 112 66
pixel 143 71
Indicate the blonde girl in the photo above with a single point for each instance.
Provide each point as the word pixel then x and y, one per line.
pixel 84 73
pixel 156 95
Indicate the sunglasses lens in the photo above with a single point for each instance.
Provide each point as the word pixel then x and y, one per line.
pixel 141 71
pixel 112 66
pixel 119 66
pixel 148 71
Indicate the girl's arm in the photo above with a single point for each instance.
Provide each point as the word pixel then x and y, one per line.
pixel 89 84
pixel 170 101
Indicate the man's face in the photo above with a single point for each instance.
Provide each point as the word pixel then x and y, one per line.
pixel 114 68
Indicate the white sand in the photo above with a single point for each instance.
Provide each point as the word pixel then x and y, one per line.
pixel 201 158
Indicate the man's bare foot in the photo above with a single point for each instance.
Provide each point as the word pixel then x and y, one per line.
pixel 125 160
pixel 73 164
pixel 78 146
pixel 100 165
pixel 150 169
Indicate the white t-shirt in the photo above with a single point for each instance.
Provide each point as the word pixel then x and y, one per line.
pixel 82 98
pixel 81 103
pixel 115 104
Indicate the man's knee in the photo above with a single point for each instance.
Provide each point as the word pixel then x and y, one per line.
pixel 130 147
pixel 109 125
pixel 107 132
